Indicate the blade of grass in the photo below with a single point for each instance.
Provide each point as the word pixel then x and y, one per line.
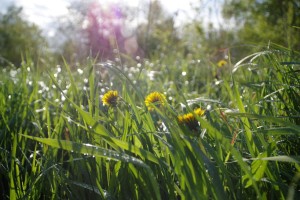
pixel 272 119
pixel 249 138
pixel 228 147
pixel 99 152
pixel 12 171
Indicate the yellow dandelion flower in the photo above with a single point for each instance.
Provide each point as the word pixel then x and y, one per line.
pixel 110 98
pixel 199 112
pixel 155 99
pixel 180 119
pixel 222 63
pixel 190 120
pixel 189 117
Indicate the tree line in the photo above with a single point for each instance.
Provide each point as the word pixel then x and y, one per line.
pixel 90 30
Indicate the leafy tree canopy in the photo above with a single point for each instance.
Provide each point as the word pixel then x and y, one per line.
pixel 18 36
pixel 260 21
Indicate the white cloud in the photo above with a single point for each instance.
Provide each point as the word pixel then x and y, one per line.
pixel 43 12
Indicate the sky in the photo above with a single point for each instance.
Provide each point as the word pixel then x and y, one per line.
pixel 44 13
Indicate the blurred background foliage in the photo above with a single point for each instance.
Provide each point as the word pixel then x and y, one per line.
pixel 107 33
pixel 18 37
pixel 275 19
pixel 258 22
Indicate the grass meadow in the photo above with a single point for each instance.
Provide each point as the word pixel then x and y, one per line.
pixel 169 128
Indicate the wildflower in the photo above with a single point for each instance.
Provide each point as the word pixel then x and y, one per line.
pixel 110 98
pixel 199 112
pixel 190 120
pixel 222 63
pixel 155 99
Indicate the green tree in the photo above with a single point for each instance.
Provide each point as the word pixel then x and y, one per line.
pixel 261 21
pixel 158 35
pixel 18 36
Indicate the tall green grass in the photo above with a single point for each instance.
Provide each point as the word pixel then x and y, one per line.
pixel 58 141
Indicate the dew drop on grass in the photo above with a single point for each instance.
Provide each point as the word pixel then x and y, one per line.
pixel 13 73
pixel 40 110
pixel 182 106
pixel 218 82
pixel 80 71
pixel 69 119
pixel 58 68
pixel 151 75
pixel 36 152
pixel 208 107
pixel 63 98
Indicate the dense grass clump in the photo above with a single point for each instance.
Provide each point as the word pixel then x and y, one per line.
pixel 153 130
